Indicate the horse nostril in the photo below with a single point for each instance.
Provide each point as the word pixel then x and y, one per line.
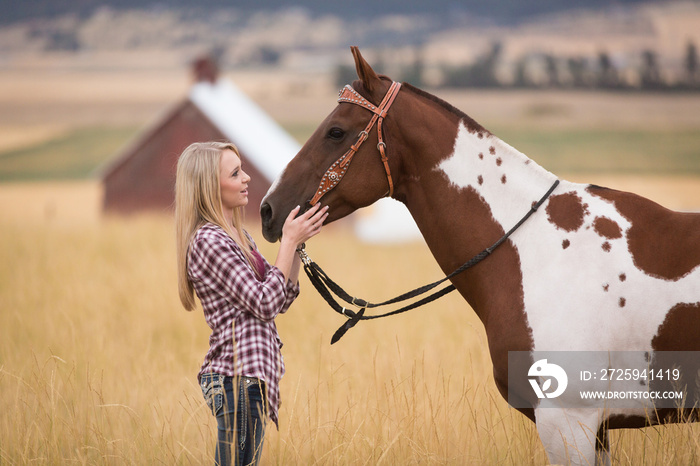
pixel 265 212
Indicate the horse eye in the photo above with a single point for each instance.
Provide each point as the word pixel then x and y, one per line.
pixel 336 133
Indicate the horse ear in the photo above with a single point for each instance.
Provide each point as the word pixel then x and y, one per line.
pixel 369 78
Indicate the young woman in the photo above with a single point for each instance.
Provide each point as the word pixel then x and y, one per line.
pixel 240 292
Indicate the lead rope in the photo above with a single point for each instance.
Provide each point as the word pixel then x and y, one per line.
pixel 326 287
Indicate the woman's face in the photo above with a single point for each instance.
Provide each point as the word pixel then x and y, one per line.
pixel 233 181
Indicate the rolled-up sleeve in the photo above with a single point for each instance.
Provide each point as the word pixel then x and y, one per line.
pixel 219 262
pixel 292 291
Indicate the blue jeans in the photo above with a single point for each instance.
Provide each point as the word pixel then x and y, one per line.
pixel 239 405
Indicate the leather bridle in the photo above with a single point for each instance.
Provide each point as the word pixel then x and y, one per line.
pixel 336 171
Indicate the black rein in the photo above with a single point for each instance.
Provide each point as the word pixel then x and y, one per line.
pixel 326 287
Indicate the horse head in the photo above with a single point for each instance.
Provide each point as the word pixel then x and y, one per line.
pixel 317 170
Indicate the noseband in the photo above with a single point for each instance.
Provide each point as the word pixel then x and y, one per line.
pixel 336 171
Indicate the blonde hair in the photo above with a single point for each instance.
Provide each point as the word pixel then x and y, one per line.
pixel 197 202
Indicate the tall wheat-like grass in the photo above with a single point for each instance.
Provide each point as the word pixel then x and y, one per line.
pixel 98 362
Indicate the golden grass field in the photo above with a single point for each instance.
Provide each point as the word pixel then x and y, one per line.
pixel 98 359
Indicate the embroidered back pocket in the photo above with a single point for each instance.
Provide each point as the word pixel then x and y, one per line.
pixel 212 386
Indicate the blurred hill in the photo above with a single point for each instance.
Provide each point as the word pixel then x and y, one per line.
pixel 495 10
pixel 625 44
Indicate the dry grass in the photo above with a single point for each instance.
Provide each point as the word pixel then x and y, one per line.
pixel 98 359
pixel 63 203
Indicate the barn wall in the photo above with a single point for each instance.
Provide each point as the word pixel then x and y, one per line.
pixel 144 177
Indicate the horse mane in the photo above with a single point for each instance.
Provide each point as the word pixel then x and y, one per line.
pixel 471 124
pixel 359 86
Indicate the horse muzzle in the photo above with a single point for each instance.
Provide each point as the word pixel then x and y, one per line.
pixel 272 224
pixel 271 229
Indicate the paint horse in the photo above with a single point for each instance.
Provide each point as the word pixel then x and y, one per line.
pixel 593 269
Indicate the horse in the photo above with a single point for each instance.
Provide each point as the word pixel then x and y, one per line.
pixel 591 270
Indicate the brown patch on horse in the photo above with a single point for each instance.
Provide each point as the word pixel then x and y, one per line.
pixel 607 228
pixel 506 331
pixel 565 244
pixel 675 340
pixel 566 211
pixel 663 243
pixel 673 334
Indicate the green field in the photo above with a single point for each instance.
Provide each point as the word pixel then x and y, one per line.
pixel 77 154
pixel 610 151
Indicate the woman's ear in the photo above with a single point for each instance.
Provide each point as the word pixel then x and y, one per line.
pixel 369 78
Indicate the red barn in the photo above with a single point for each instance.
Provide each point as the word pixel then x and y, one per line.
pixel 142 177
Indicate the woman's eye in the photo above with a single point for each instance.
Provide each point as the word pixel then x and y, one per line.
pixel 336 133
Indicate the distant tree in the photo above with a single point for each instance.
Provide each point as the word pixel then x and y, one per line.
pixel 551 70
pixel 268 55
pixel 344 74
pixel 650 74
pixel 482 73
pixel 577 69
pixel 521 78
pixel 485 69
pixel 691 65
pixel 413 73
pixel 379 62
pixel 62 40
pixel 608 77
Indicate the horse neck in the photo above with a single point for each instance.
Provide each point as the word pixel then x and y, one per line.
pixel 463 201
pixel 503 177
pixel 478 169
pixel 453 155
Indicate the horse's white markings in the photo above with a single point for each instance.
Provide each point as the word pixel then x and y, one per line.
pixel 274 185
pixel 582 290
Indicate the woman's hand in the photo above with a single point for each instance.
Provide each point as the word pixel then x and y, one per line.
pixel 295 231
pixel 299 229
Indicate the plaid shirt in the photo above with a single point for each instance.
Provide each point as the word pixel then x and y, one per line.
pixel 233 297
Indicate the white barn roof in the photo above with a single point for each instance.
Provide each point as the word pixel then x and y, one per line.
pixel 265 144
